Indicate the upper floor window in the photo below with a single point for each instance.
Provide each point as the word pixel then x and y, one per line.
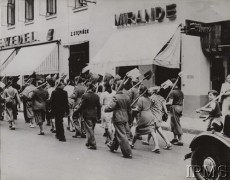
pixel 29 10
pixel 51 7
pixel 79 3
pixel 11 12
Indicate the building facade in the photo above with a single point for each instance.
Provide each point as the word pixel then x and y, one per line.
pixel 116 36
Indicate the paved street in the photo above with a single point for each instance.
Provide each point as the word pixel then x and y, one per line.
pixel 26 156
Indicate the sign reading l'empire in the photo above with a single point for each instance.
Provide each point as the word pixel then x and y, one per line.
pixel 18 39
pixel 146 16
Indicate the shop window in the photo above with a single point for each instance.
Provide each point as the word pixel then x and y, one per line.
pixel 11 12
pixel 29 10
pixel 51 7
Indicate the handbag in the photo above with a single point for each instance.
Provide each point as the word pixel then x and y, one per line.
pixel 165 117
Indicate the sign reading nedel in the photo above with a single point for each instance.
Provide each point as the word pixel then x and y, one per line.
pixel 17 40
pixel 146 16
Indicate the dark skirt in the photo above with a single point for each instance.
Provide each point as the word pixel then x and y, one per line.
pixel 39 116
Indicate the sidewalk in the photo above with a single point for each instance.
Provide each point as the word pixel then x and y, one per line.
pixel 189 125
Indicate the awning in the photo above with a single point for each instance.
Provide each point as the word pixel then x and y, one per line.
pixel 42 59
pixel 134 45
pixel 169 55
pixel 6 56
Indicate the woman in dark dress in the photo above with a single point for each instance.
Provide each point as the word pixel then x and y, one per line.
pixel 145 123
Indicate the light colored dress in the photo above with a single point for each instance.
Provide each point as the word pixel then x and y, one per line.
pixel 105 99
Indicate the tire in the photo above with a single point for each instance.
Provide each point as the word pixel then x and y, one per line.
pixel 206 154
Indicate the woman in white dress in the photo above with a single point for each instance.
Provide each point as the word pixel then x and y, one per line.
pixel 105 98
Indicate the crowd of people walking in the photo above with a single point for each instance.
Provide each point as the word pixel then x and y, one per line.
pixel 119 105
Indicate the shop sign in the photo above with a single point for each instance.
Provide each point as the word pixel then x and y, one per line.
pixel 18 40
pixel 195 28
pixel 156 14
pixel 79 32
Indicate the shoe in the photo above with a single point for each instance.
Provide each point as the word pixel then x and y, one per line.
pixel 12 128
pixel 32 126
pixel 110 147
pixel 92 147
pixel 128 156
pixel 173 141
pixel 75 136
pixel 167 147
pixel 62 140
pixel 87 144
pixel 73 130
pixel 68 128
pixel 156 150
pixel 105 134
pixel 51 130
pixel 54 131
pixel 145 143
pixel 41 133
pixel 178 143
pixel 83 136
pixel 139 138
pixel 132 146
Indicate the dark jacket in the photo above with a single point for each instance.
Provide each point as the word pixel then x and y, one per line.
pixel 39 97
pixel 59 102
pixel 120 107
pixel 90 106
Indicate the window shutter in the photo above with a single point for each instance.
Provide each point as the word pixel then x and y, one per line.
pixel 3 15
pixel 21 10
pixel 51 6
pixel 10 13
pixel 42 7
pixel 72 3
pixel 29 5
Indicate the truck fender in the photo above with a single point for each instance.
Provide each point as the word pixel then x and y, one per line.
pixel 210 138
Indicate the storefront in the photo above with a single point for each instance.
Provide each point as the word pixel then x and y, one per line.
pixel 23 55
pixel 147 34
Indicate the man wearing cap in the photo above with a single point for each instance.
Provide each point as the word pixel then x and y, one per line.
pixel 133 94
pixel 39 97
pixel 25 95
pixel 121 115
pixel 78 92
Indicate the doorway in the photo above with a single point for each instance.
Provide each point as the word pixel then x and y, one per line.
pixel 79 58
pixel 217 73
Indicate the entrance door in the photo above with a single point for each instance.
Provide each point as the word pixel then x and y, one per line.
pixel 79 57
pixel 217 73
pixel 162 74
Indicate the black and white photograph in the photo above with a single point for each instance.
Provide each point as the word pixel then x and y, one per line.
pixel 115 90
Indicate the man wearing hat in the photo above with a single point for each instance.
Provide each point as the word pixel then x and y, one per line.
pixel 59 106
pixel 39 97
pixel 121 115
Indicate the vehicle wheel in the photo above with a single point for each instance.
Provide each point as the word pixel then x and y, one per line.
pixel 206 160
